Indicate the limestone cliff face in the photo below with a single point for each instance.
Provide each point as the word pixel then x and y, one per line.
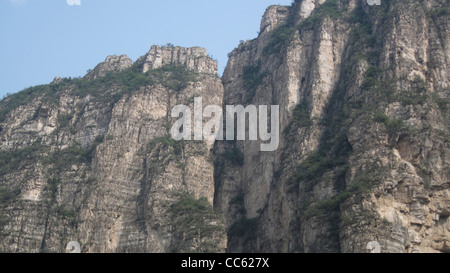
pixel 363 94
pixel 363 156
pixel 100 168
pixel 111 64
pixel 194 58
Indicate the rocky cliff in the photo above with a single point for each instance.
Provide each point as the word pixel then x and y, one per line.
pixel 363 92
pixel 91 160
pixel 363 155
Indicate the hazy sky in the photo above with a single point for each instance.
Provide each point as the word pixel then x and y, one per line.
pixel 41 39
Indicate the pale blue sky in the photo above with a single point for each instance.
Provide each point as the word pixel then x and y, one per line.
pixel 41 39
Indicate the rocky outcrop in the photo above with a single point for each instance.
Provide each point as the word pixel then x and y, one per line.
pixel 364 151
pixel 273 17
pixel 111 64
pixel 194 58
pixel 363 159
pixel 100 167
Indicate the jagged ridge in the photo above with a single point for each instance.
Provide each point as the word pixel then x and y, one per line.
pixel 363 94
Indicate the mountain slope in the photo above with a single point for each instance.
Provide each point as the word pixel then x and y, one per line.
pixel 91 160
pixel 363 92
pixel 363 155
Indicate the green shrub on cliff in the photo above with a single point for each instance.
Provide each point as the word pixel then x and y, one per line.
pixel 196 226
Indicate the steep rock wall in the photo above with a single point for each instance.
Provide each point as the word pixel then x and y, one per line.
pixel 363 94
pixel 97 165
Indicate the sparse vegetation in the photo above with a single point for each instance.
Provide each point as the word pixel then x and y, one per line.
pixel 441 12
pixel 238 199
pixel 361 184
pixel 235 156
pixel 393 126
pixel 253 78
pixel 334 149
pixel 64 120
pixel 302 116
pixel 331 157
pixel 167 141
pixel 196 226
pixel 73 155
pixel 174 77
pixel 358 217
pixel 47 93
pixel 3 221
pixel 280 39
pixel 7 195
pixel 10 161
pixel 329 8
pixel 108 89
pixel 67 214
pixel 313 167
pixel 244 228
pixel 443 103
pixel 324 207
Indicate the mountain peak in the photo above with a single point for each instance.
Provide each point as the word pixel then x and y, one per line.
pixel 112 63
pixel 193 58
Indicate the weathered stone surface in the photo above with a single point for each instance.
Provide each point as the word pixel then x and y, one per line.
pixel 363 156
pixel 194 58
pixel 123 170
pixel 322 68
pixel 111 64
